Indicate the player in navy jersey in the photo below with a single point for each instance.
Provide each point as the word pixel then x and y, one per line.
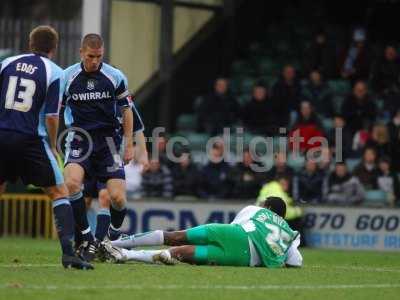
pixel 95 92
pixel 95 189
pixel 30 97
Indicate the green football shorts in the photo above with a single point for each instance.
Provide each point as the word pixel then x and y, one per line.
pixel 220 244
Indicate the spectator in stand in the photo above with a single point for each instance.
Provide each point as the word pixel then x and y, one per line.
pixel 354 62
pixel 161 147
pixel 367 171
pixel 280 169
pixel 157 181
pixel 219 109
pixel 133 178
pixel 360 139
pixel 307 185
pixel 380 140
pixel 214 181
pixel 358 109
pixel 244 178
pixel 388 180
pixel 286 94
pixel 185 176
pixel 394 133
pixel 342 188
pixel 321 56
pixel 307 126
pixel 257 115
pixel 325 160
pixel 385 78
pixel 340 133
pixel 318 93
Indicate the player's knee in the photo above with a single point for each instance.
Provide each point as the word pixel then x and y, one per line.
pixel 73 185
pixel 104 199
pixel 174 238
pixel 118 199
pixel 57 192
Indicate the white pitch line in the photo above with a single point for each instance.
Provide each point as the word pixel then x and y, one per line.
pixel 354 268
pixel 201 287
pixel 348 268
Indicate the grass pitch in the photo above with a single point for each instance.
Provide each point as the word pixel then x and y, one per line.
pixel 30 269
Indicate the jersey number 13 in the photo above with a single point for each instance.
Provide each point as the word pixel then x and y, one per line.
pixel 15 103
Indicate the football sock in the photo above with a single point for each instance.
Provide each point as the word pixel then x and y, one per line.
pixel 79 209
pixel 151 238
pixel 141 255
pixel 103 222
pixel 64 221
pixel 117 216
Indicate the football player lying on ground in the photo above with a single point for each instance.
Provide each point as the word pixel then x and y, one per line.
pixel 258 236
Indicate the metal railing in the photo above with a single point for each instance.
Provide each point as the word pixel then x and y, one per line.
pixel 14 35
pixel 26 215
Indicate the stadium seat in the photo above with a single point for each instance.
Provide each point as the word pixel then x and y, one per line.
pixel 186 122
pixel 297 163
pixel 197 141
pixel 340 86
pixel 327 123
pixel 351 163
pixel 247 84
pixel 375 198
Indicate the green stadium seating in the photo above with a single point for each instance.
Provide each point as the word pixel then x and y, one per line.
pixel 351 163
pixel 197 141
pixel 186 122
pixel 327 123
pixel 375 198
pixel 297 163
pixel 339 86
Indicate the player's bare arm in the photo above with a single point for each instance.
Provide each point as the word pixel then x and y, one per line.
pixel 127 124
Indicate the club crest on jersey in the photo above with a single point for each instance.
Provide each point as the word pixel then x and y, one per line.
pixel 90 84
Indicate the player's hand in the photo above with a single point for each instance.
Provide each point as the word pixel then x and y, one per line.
pixel 128 153
pixel 142 158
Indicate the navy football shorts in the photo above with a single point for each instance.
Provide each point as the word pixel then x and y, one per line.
pixel 92 186
pixel 28 158
pixel 98 154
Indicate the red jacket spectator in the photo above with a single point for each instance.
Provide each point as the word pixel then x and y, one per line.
pixel 306 128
